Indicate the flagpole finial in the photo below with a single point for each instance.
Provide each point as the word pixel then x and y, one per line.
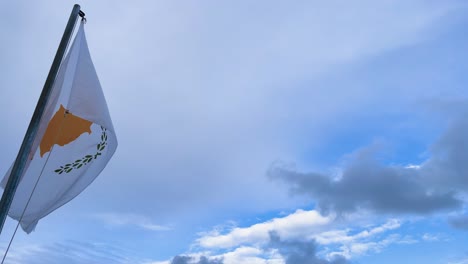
pixel 82 15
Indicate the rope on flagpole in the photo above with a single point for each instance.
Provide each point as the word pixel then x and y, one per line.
pixel 27 203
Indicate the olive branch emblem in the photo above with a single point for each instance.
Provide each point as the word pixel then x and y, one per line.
pixel 67 168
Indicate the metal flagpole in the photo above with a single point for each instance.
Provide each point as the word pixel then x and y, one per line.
pixel 25 149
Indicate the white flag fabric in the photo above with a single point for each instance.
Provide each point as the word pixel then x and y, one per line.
pixel 75 141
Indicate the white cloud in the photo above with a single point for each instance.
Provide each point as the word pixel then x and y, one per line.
pixel 307 226
pixel 413 166
pixel 430 237
pixel 389 225
pixel 298 224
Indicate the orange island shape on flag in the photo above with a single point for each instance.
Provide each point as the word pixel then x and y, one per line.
pixel 63 129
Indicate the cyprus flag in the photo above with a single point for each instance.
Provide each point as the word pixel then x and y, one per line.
pixel 75 141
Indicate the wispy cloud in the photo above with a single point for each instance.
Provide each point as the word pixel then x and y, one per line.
pixel 430 237
pixel 122 220
pixel 73 252
pixel 342 236
pixel 358 248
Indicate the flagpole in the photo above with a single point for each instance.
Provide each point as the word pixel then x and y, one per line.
pixel 25 149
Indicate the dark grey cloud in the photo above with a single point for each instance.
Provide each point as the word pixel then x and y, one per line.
pixel 191 260
pixel 366 183
pixel 460 222
pixel 448 167
pixel 300 252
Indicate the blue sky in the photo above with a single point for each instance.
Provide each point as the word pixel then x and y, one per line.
pixel 257 132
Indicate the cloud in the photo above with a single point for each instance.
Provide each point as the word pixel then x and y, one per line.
pixel 120 220
pixel 192 260
pixel 298 224
pixel 242 254
pixel 430 237
pixel 365 183
pixel 341 236
pixel 285 240
pixel 364 247
pixel 447 168
pixel 252 255
pixel 343 243
pixel 300 252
